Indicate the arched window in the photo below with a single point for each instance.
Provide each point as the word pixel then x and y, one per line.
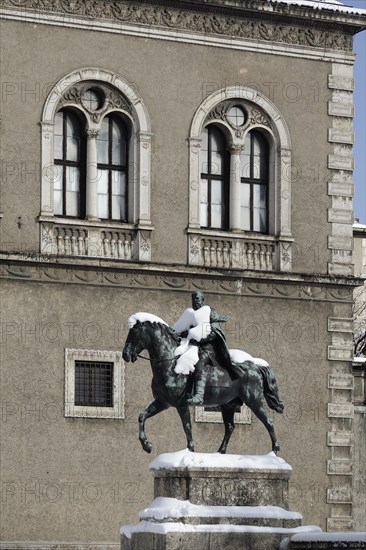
pixel 69 151
pixel 214 186
pixel 112 156
pixel 252 226
pixel 254 183
pixel 94 125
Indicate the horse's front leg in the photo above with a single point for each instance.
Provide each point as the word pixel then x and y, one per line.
pixel 154 408
pixel 227 412
pixel 185 417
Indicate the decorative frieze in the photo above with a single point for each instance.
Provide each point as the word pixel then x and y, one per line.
pixel 194 20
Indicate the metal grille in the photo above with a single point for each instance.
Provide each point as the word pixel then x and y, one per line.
pixel 94 383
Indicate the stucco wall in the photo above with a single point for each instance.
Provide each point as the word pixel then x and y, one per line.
pixel 85 478
pixel 172 79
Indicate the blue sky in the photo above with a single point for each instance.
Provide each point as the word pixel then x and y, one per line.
pixel 360 118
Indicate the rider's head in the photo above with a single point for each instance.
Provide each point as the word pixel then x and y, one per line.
pixel 198 299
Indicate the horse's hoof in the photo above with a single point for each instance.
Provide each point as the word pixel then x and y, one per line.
pixel 276 448
pixel 222 451
pixel 147 446
pixel 191 448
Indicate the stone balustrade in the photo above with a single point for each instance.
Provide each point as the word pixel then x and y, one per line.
pixel 232 253
pixel 94 240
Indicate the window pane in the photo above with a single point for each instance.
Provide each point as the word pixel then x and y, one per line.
pixel 72 137
pixel 119 196
pixel 102 143
pixel 259 208
pixel 256 167
pixel 216 216
pixel 72 148
pixel 57 176
pixel 118 144
pixel 245 218
pixel 236 115
pixel 245 207
pixel 216 163
pixel 72 203
pixel 259 196
pixel 245 158
pixel 118 183
pixel 58 135
pixel 58 146
pixel 217 140
pixel 72 178
pixel 204 152
pixel 102 190
pixel 216 192
pixel 57 198
pixel 203 203
pixel 245 195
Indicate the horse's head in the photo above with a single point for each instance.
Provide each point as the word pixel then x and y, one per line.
pixel 134 343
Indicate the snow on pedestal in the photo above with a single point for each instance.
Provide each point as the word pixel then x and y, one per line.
pixel 209 500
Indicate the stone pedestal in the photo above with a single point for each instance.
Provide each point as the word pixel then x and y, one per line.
pixel 209 501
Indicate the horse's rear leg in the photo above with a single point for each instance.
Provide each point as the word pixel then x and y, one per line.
pixel 261 414
pixel 154 408
pixel 227 412
pixel 187 426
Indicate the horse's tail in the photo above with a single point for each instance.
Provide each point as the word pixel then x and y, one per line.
pixel 270 389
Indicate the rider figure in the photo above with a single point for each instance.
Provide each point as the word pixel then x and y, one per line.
pixel 210 348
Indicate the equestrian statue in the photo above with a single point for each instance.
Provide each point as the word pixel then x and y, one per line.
pixel 192 366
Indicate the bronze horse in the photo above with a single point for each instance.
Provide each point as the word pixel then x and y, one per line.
pixel 170 389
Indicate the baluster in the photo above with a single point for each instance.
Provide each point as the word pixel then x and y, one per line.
pixel 250 255
pixel 272 256
pixel 73 242
pixel 212 254
pixel 225 254
pixel 244 258
pixel 67 242
pixel 80 243
pixel 262 263
pixel 105 244
pixel 127 246
pixel 219 261
pixel 113 246
pixel 268 256
pixel 205 252
pixel 119 246
pixel 59 239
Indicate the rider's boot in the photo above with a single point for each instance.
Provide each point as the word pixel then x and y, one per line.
pixel 200 385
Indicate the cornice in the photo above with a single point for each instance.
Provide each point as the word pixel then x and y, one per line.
pixel 29 267
pixel 265 22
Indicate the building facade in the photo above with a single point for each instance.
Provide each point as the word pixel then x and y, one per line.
pixel 149 149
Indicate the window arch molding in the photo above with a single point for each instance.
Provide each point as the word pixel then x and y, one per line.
pixel 140 138
pixel 264 117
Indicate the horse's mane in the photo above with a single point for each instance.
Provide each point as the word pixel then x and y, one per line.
pixel 155 322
